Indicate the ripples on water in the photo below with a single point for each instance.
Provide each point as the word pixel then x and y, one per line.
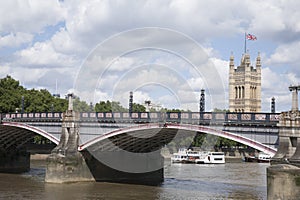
pixel 182 181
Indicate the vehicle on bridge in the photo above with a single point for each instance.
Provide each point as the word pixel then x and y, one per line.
pixel 198 157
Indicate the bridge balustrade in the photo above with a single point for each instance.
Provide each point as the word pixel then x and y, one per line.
pixel 202 118
pixel 30 116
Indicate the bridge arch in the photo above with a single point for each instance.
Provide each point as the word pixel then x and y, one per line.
pixel 195 128
pixel 27 128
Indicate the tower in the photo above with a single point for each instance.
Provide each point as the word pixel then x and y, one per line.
pixel 245 85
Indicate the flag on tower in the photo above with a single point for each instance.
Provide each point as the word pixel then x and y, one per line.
pixel 251 37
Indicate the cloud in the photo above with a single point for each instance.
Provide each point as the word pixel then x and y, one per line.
pixel 15 39
pixel 287 53
pixel 146 61
pixel 29 16
pixel 42 54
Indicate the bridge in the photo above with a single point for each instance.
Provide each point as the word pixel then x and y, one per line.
pixel 256 130
pixel 104 142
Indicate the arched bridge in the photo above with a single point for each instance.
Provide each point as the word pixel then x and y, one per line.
pixel 143 132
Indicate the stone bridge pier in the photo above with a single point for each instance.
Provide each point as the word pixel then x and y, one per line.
pixel 65 163
pixel 100 162
pixel 283 176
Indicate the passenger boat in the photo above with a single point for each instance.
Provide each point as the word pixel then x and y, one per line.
pixel 211 158
pixel 180 156
pixel 199 157
pixel 261 158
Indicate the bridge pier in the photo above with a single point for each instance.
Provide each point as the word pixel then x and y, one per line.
pixel 123 167
pixel 289 138
pixel 65 163
pixel 15 161
pixel 283 176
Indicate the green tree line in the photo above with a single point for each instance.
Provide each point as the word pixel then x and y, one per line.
pixel 12 94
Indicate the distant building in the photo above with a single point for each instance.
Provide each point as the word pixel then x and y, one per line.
pixel 245 85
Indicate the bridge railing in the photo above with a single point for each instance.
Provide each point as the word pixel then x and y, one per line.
pixel 31 116
pixel 147 117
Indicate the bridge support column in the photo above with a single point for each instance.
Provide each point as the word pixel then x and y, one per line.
pixel 283 182
pixel 65 163
pixel 17 161
pixel 124 167
pixel 289 138
pixel 283 176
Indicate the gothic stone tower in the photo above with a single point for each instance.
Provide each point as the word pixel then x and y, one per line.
pixel 245 85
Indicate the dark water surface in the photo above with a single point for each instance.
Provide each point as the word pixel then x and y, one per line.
pixel 182 181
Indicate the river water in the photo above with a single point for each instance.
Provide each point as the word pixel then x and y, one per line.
pixel 236 180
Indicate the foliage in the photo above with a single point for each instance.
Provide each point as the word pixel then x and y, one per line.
pixel 11 94
pixel 220 110
pixel 173 110
pixel 108 106
pixel 138 108
pixel 82 106
pixel 208 142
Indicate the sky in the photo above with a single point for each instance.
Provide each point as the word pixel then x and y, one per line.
pixel 163 51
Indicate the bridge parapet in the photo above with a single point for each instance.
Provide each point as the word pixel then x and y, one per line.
pixel 154 117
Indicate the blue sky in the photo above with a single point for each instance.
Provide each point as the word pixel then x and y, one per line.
pixel 171 49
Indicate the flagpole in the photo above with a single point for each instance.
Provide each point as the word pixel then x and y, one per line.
pixel 245 45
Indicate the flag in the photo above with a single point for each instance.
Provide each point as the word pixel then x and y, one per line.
pixel 250 37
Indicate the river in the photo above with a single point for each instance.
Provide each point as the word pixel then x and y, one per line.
pixel 235 180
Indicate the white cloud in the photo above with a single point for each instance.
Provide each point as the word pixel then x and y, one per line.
pixel 15 39
pixel 44 55
pixel 86 25
pixel 29 16
pixel 287 53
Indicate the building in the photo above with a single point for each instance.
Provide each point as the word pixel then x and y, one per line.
pixel 245 85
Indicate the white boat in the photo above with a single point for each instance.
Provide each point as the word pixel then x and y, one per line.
pixel 261 158
pixel 180 156
pixel 200 157
pixel 211 158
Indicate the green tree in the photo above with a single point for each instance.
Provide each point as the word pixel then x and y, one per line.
pixel 10 95
pixel 38 101
pixel 138 108
pixel 81 106
pixel 220 110
pixel 108 106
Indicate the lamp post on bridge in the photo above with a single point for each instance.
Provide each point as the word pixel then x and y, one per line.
pixel 273 105
pixel 202 101
pixel 130 102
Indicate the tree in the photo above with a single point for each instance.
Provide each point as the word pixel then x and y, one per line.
pixel 108 106
pixel 10 95
pixel 81 106
pixel 220 110
pixel 138 108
